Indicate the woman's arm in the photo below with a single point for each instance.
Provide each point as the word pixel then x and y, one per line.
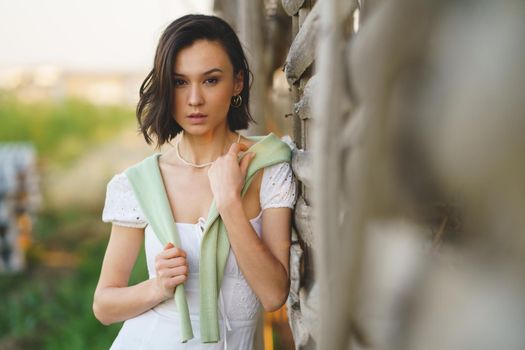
pixel 114 300
pixel 264 263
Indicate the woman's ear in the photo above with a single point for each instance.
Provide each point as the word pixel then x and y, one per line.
pixel 238 83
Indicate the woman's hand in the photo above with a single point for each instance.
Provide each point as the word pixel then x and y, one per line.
pixel 227 175
pixel 172 270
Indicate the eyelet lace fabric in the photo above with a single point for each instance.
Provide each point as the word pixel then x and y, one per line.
pixel 121 207
pixel 278 187
pixel 244 302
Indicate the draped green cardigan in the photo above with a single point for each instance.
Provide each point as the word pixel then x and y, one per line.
pixel 147 184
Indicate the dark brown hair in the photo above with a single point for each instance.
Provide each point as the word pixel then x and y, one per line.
pixel 155 106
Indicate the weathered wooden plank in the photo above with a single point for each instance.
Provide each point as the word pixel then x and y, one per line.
pixel 250 22
pixel 228 10
pixel 309 301
pixel 299 330
pixel 353 129
pixel 296 254
pixel 293 304
pixel 303 108
pixel 303 316
pixel 302 50
pixel 302 15
pixel 302 166
pixel 303 221
pixel 337 246
pixel 292 6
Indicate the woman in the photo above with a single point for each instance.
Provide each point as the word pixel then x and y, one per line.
pixel 197 95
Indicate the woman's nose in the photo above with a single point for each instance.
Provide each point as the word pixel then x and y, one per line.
pixel 195 97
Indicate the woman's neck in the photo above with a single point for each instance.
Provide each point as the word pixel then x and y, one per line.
pixel 201 149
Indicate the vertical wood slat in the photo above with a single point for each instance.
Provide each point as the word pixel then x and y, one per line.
pixel 337 246
pixel 303 108
pixel 250 27
pixel 303 222
pixel 297 126
pixel 302 305
pixel 292 6
pixel 302 50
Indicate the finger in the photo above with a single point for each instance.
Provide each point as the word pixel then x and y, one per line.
pixel 174 271
pixel 175 252
pixel 173 262
pixel 171 282
pixel 245 162
pixel 169 245
pixel 235 148
pixel 176 280
pixel 162 264
pixel 171 253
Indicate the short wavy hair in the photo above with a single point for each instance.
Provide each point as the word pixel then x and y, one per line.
pixel 155 107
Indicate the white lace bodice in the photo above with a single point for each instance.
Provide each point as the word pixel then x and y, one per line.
pixel 238 302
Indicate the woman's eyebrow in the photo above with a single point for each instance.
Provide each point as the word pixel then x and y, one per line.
pixel 213 70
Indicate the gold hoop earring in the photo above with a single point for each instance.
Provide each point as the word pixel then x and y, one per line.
pixel 236 101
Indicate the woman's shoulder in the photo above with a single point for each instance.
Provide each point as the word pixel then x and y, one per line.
pixel 278 187
pixel 281 170
pixel 118 180
pixel 247 141
pixel 271 143
pixel 119 187
pixel 121 206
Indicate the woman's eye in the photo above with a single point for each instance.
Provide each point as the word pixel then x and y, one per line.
pixel 178 82
pixel 211 81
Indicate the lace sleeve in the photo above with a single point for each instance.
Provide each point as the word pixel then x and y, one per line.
pixel 121 207
pixel 278 188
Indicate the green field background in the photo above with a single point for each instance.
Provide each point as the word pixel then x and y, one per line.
pixel 49 306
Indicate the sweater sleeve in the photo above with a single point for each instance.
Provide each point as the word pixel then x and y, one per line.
pixel 121 207
pixel 278 187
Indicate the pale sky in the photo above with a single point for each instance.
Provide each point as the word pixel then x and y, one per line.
pixel 89 35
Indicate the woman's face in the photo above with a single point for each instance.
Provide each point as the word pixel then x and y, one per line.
pixel 203 87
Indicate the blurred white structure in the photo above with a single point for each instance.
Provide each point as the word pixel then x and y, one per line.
pixel 19 200
pixel 50 83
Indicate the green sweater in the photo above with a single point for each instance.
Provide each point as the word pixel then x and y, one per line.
pixel 146 182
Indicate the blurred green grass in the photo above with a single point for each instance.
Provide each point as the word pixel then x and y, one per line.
pixel 60 131
pixel 49 306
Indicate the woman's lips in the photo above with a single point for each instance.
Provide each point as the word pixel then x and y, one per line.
pixel 197 118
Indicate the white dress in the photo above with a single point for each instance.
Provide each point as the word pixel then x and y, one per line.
pixel 158 328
